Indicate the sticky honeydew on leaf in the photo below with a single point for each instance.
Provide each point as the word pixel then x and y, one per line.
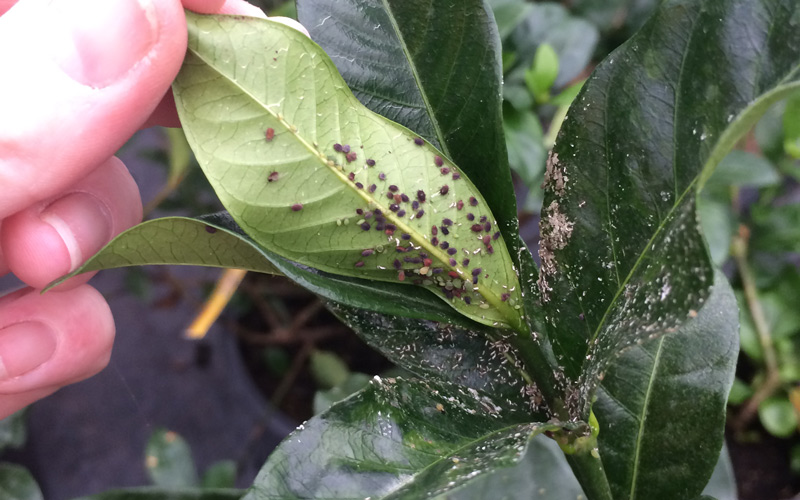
pixel 313 175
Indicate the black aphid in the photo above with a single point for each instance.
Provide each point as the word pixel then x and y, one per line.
pixel 444 245
pixel 351 157
pixel 365 226
pixel 420 214
pixel 487 226
pixel 476 228
pixel 483 218
pixel 465 262
pixel 470 217
pixel 414 204
pixel 453 262
pixel 456 176
pixel 346 148
pixel 397 264
pixel 370 162
pixel 389 195
pixel 404 197
pixel 496 235
pixel 393 188
pixel 467 300
pixel 473 201
pixel 382 176
pixel 437 160
pixel 351 176
pixel 360 211
pixel 211 230
pixel 394 208
pixel 273 177
pixel 337 147
pixel 460 204
pixel 360 263
pixel 269 134
pixel 434 230
pixel 444 170
pixel 504 297
pixel 391 227
pixel 367 252
pixel 405 236
pixel 401 213
pixel 297 207
pixel 359 185
pixel 477 271
pixel 447 222
pixel 445 231
pixel 435 241
pixel 372 188
pixel 451 251
pixel 418 141
pixel 421 196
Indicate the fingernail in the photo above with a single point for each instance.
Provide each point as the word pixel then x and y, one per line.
pixel 24 347
pixel 82 221
pixel 106 38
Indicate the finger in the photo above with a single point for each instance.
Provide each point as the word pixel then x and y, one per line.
pixel 50 340
pixel 53 237
pixel 94 70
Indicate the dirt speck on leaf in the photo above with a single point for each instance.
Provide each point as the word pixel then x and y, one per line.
pixel 556 231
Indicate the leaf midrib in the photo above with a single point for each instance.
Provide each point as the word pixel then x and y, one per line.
pixel 487 293
pixel 643 420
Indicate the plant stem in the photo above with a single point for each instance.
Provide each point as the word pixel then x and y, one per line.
pixel 590 473
pixel 772 380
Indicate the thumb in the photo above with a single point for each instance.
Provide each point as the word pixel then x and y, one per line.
pixel 86 75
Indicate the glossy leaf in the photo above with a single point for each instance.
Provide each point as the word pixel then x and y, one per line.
pixel 221 474
pixel 17 483
pixel 508 14
pixel 166 494
pixel 299 190
pixel 662 405
pixel 526 151
pixel 476 358
pixel 622 256
pixel 432 66
pixel 778 417
pixel 178 240
pixel 398 439
pixel 168 461
pixel 740 168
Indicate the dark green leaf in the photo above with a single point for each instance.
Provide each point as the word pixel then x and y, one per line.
pixel 662 404
pixel 168 460
pixel 615 15
pixel 16 483
pixel 299 195
pixel 398 439
pixel 13 431
pixel 622 256
pixel 178 240
pixel 543 474
pixel 476 358
pixel 432 66
pixel 164 494
pixel 220 474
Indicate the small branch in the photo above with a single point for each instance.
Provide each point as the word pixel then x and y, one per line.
pixel 772 381
pixel 226 286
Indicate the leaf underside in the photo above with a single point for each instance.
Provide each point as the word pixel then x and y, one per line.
pixel 271 121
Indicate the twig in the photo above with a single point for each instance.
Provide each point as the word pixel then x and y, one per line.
pixel 772 381
pixel 216 302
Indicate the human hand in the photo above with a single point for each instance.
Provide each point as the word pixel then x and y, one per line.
pixel 82 77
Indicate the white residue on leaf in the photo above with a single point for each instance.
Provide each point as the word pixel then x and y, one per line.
pixel 556 231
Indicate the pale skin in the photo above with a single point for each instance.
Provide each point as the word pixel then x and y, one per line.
pixel 83 76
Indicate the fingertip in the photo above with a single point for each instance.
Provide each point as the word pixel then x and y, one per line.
pixel 53 339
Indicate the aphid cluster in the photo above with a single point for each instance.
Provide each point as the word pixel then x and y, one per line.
pixel 439 259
